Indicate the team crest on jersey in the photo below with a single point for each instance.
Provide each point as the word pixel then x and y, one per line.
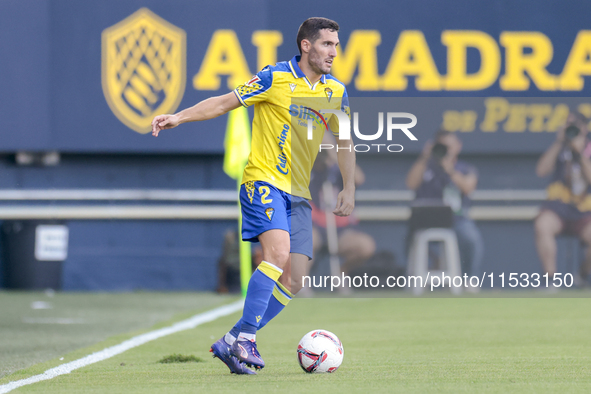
pixel 328 92
pixel 270 212
pixel 143 68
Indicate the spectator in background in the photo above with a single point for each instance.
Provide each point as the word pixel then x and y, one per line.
pixel 355 247
pixel 439 175
pixel 568 206
pixel 229 264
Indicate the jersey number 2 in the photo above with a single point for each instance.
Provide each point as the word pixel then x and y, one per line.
pixel 264 191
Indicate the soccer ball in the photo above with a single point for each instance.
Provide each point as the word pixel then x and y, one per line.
pixel 320 351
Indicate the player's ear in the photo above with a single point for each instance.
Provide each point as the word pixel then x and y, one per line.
pixel 306 45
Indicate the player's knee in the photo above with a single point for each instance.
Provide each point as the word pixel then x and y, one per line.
pixel 277 256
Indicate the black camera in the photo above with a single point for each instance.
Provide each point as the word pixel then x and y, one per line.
pixel 439 151
pixel 571 132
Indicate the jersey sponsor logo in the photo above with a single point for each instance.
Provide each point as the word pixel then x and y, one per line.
pixel 143 68
pixel 282 166
pixel 308 118
pixel 258 318
pixel 292 86
pixel 283 137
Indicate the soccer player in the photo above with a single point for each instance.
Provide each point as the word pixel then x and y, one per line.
pixel 274 192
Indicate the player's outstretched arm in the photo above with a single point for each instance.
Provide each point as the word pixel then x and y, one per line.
pixel 204 110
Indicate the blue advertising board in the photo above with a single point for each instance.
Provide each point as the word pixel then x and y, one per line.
pixel 79 76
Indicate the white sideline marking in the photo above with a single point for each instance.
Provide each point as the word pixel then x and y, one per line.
pixel 41 305
pixel 126 345
pixel 53 320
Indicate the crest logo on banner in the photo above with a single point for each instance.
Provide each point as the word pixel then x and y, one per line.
pixel 143 68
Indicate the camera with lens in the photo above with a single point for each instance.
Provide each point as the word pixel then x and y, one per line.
pixel 571 132
pixel 439 151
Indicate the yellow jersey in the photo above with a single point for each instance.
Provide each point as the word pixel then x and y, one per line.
pixel 283 150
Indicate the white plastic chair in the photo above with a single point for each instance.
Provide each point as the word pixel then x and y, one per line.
pixel 418 259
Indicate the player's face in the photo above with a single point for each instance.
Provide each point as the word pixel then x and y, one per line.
pixel 323 51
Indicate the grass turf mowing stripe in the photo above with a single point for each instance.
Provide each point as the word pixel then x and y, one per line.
pixel 126 345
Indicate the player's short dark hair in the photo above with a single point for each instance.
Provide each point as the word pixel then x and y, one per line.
pixel 310 29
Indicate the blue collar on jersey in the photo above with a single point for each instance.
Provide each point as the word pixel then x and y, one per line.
pixel 297 71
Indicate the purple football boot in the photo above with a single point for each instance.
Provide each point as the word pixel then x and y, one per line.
pixel 246 351
pixel 222 350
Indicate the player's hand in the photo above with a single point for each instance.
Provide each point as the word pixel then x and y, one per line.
pixel 162 122
pixel 345 203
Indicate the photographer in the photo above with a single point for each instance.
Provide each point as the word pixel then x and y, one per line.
pixel 439 175
pixel 568 208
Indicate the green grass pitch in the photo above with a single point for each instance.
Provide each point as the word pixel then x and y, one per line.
pixel 405 345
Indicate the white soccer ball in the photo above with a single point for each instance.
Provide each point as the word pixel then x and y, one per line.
pixel 320 351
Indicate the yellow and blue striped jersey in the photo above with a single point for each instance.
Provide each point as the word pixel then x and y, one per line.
pixel 281 152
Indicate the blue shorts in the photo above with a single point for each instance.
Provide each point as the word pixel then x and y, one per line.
pixel 264 207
